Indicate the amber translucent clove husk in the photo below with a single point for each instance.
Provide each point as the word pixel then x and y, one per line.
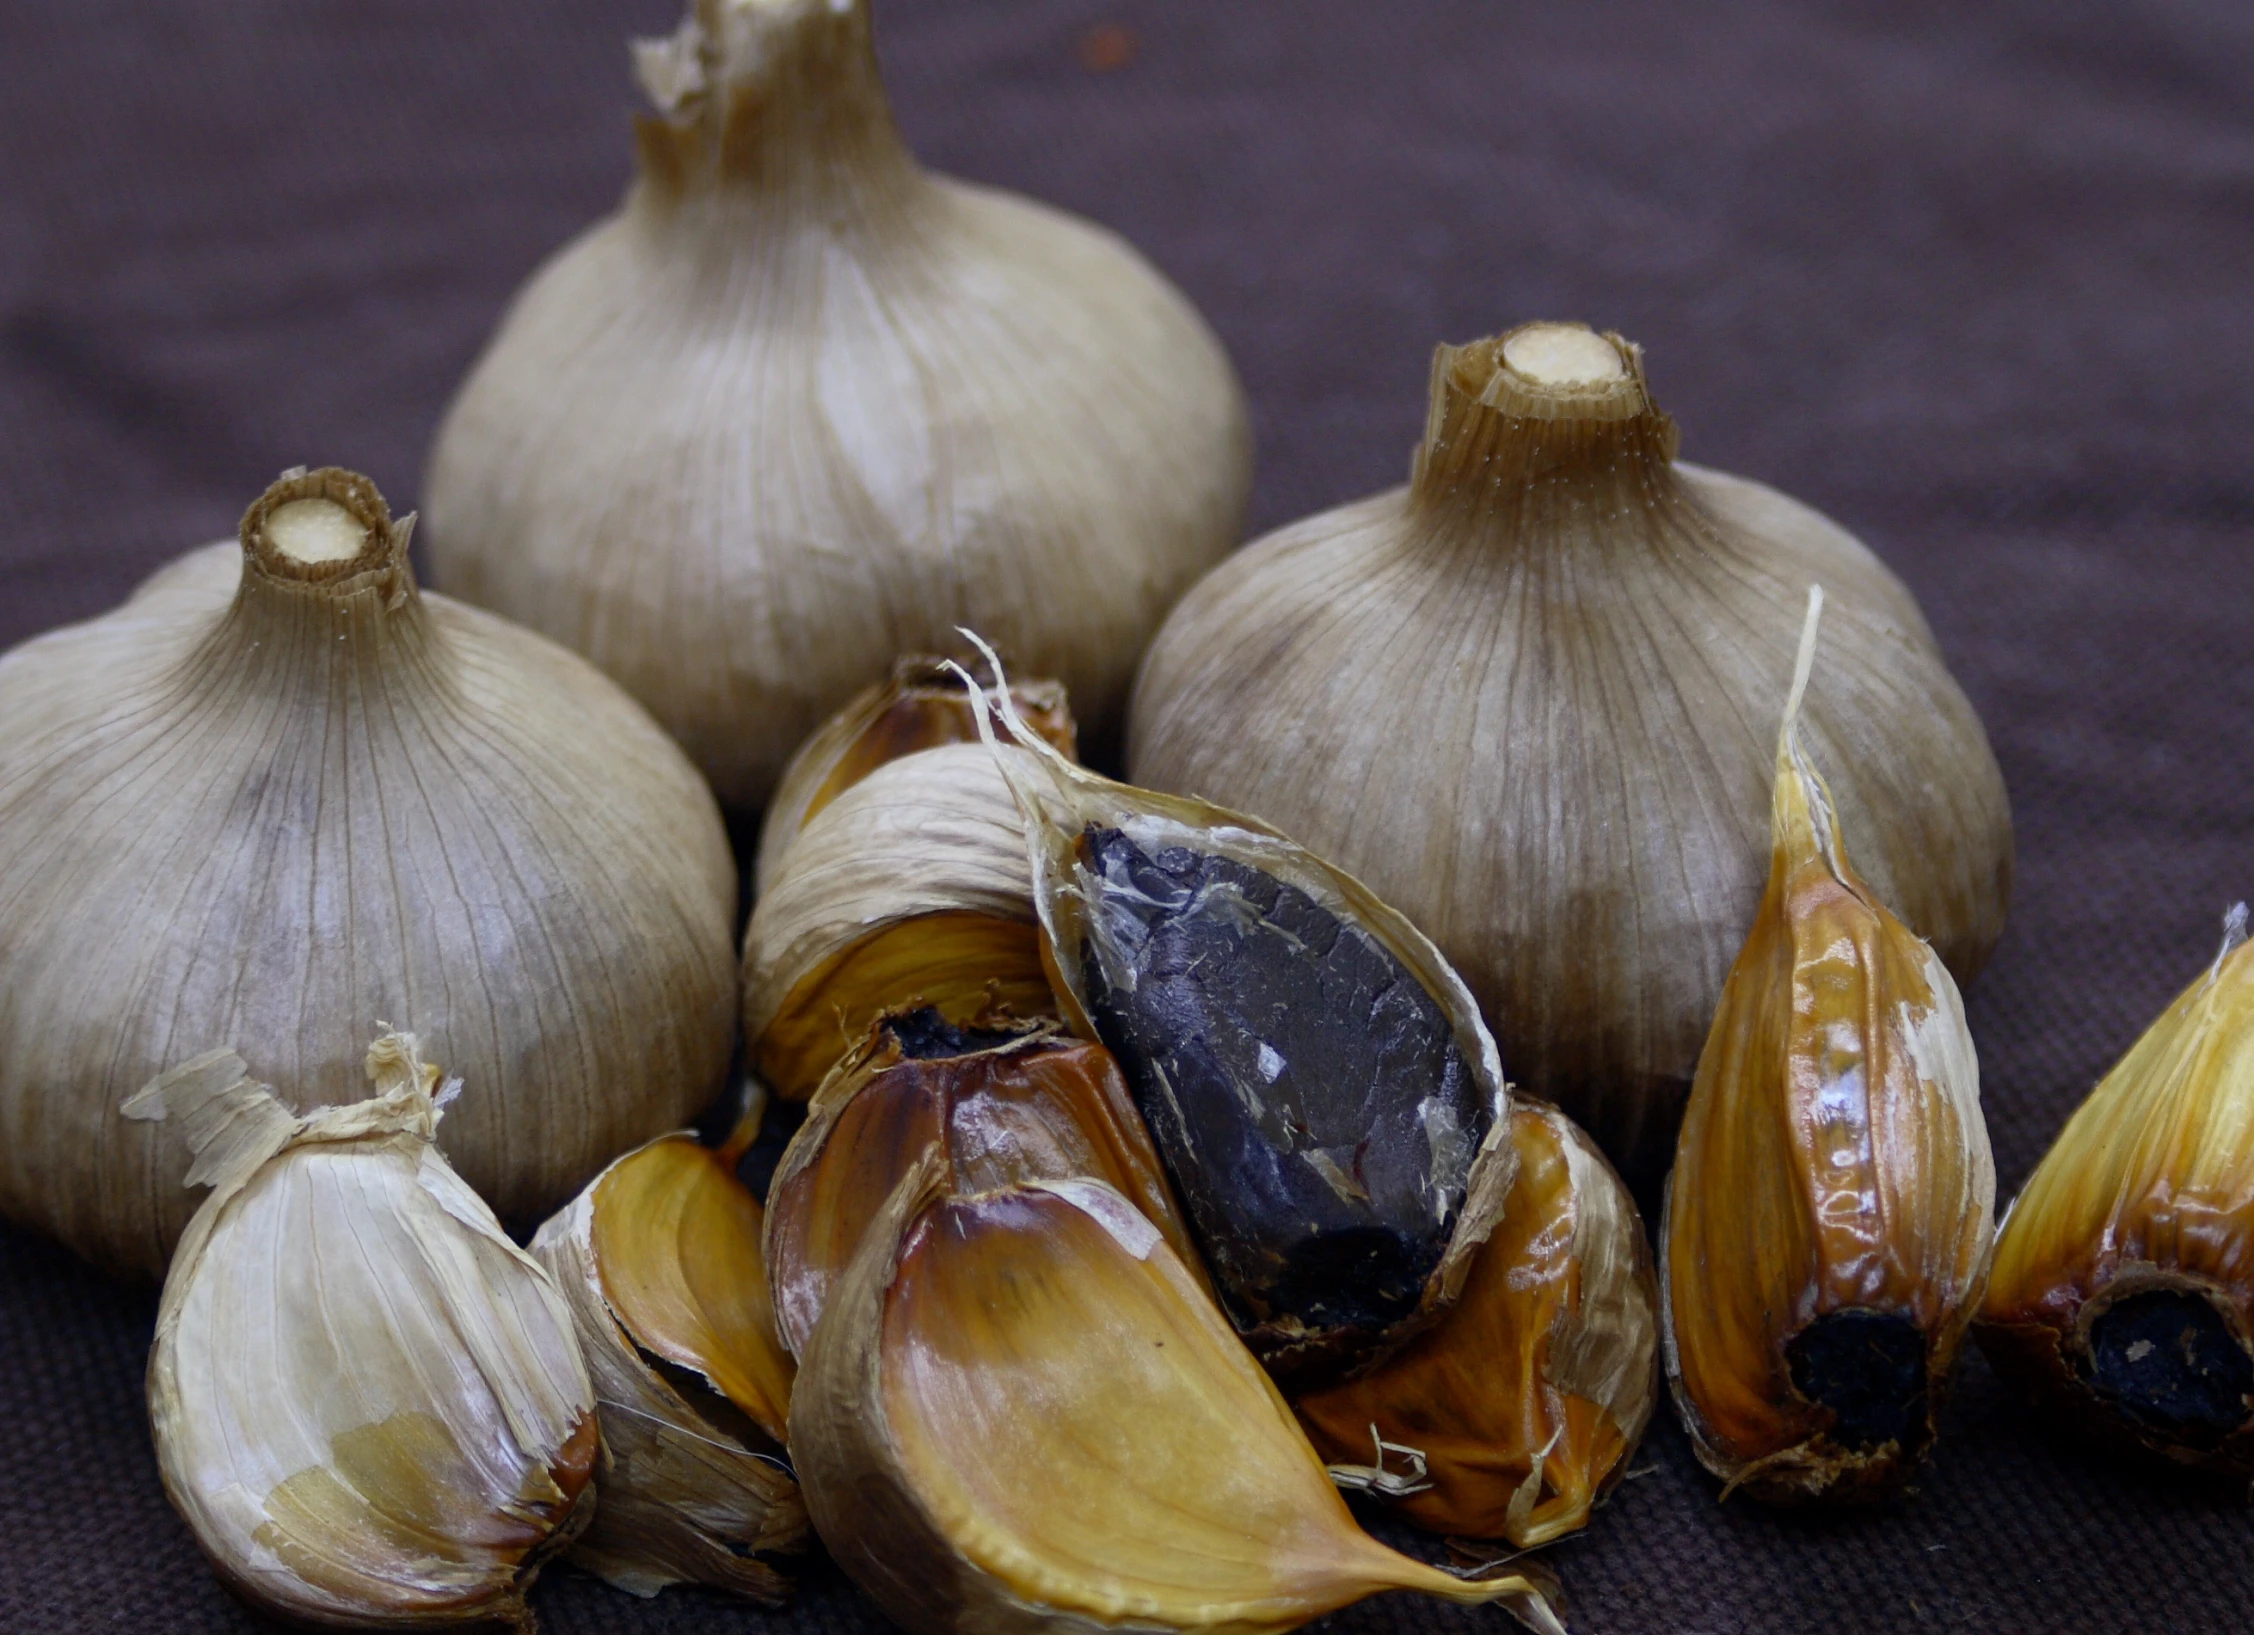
pixel 1514 1414
pixel 1007 1102
pixel 2122 1294
pixel 659 1260
pixel 1829 1216
pixel 1020 1412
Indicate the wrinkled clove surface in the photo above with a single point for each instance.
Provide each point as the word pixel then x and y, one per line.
pixel 1515 1414
pixel 1830 1212
pixel 659 1261
pixel 366 1401
pixel 1007 1102
pixel 2122 1295
pixel 1021 1412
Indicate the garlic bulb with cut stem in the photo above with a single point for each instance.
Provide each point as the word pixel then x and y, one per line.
pixel 269 808
pixel 1529 699
pixel 366 1401
pixel 800 406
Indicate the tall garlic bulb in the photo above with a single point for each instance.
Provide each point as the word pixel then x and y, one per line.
pixel 800 405
pixel 1529 699
pixel 273 808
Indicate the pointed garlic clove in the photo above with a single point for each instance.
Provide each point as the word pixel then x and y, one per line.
pixel 1514 1414
pixel 1008 1103
pixel 2122 1295
pixel 910 887
pixel 1831 1208
pixel 659 1261
pixel 1019 1411
pixel 923 704
pixel 366 1401
pixel 1317 1080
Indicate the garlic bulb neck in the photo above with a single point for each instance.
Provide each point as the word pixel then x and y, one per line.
pixel 325 577
pixel 767 97
pixel 1528 429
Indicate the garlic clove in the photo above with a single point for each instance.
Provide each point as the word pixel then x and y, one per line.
pixel 659 1260
pixel 913 885
pixel 366 1401
pixel 1020 1411
pixel 1514 1414
pixel 1831 1210
pixel 920 706
pixel 1328 1104
pixel 2122 1293
pixel 1008 1103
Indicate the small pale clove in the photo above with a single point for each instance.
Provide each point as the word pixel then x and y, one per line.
pixel 366 1401
pixel 2122 1294
pixel 1514 1414
pixel 1020 1412
pixel 659 1261
pixel 1831 1209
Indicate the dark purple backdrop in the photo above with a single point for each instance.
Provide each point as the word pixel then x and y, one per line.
pixel 1976 280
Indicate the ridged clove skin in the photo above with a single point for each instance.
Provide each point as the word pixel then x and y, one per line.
pixel 911 887
pixel 1831 1209
pixel 1315 1077
pixel 1021 1413
pixel 923 704
pixel 2122 1295
pixel 659 1261
pixel 367 1402
pixel 1007 1102
pixel 1515 1414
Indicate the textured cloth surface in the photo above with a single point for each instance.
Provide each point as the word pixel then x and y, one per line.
pixel 1974 279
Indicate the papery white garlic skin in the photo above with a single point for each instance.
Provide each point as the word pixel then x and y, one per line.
pixel 366 1401
pixel 801 406
pixel 269 804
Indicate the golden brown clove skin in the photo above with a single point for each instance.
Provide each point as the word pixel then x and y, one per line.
pixel 1829 1216
pixel 2122 1296
pixel 1521 1405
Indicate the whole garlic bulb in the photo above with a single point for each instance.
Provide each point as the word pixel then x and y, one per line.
pixel 1529 698
pixel 800 406
pixel 273 807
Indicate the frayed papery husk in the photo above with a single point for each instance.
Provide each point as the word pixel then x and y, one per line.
pixel 2122 1295
pixel 920 706
pixel 1831 1209
pixel 1515 1414
pixel 1529 699
pixel 912 887
pixel 800 406
pixel 1020 1413
pixel 1008 1103
pixel 659 1260
pixel 273 799
pixel 366 1401
pixel 1338 1180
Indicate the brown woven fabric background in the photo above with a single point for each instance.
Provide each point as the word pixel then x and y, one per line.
pixel 1975 279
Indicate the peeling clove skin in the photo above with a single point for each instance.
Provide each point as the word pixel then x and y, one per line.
pixel 2122 1296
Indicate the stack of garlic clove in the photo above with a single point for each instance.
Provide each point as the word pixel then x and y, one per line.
pixel 800 406
pixel 1008 1103
pixel 923 704
pixel 2122 1293
pixel 366 1401
pixel 659 1261
pixel 1328 1105
pixel 1525 698
pixel 1831 1210
pixel 1020 1411
pixel 268 804
pixel 1515 1414
pixel 911 887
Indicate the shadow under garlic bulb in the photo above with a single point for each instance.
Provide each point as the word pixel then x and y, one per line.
pixel 1529 698
pixel 273 806
pixel 801 406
